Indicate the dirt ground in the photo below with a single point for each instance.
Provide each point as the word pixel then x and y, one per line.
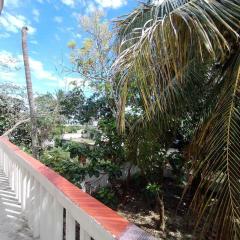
pixel 138 211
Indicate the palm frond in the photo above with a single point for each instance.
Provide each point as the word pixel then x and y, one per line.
pixel 195 31
pixel 216 200
pixel 131 26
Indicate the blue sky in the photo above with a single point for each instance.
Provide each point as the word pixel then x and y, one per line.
pixel 51 23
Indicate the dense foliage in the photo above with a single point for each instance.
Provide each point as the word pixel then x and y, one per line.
pixel 163 46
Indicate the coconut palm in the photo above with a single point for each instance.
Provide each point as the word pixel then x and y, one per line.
pixel 165 47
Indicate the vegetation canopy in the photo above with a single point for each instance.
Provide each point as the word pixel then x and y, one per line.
pixel 165 47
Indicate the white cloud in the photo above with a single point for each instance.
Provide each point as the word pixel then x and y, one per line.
pixel 69 3
pixel 44 1
pixel 15 23
pixel 33 52
pixel 39 72
pixel 58 19
pixel 76 15
pixel 4 35
pixel 8 66
pixel 35 42
pixel 8 61
pixel 111 3
pixel 36 66
pixel 8 76
pixel 36 14
pixel 12 3
pixel 91 7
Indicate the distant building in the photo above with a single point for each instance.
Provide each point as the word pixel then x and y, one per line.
pixel 85 134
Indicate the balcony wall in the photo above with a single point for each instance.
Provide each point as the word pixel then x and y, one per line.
pixel 56 209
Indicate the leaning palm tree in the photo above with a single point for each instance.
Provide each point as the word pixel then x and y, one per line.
pixel 164 48
pixel 30 93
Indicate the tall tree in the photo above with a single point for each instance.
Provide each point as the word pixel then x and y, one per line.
pixel 72 105
pixel 30 93
pixel 93 59
pixel 163 47
pixel 49 116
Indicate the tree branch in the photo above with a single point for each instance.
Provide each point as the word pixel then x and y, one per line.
pixel 16 125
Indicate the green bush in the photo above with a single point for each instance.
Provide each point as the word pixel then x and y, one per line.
pixel 60 161
pixel 107 196
pixel 76 149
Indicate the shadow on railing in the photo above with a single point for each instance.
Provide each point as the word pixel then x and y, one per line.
pixel 8 199
pixel 15 225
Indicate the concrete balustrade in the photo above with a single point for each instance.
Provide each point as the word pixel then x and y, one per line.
pixel 53 206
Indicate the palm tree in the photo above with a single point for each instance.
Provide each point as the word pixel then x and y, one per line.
pixel 30 93
pixel 164 47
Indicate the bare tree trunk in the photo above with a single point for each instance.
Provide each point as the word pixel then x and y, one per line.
pixel 30 93
pixel 160 204
pixel 1 6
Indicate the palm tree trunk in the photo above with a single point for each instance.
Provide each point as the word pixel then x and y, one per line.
pixel 30 93
pixel 1 5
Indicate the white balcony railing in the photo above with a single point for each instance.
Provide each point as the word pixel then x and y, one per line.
pixel 54 208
